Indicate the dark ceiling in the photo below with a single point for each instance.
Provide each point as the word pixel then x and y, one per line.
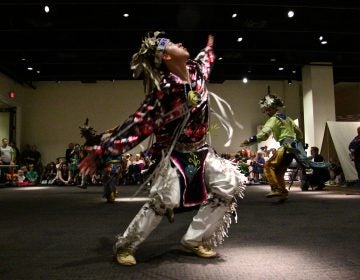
pixel 92 40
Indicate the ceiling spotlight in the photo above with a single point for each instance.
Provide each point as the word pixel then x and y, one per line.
pixel 126 15
pixel 23 59
pixel 291 14
pixel 38 71
pixel 294 71
pixel 239 39
pixel 47 9
pixel 321 38
pixel 281 68
pixel 245 80
pixel 234 15
pixel 220 58
pixel 272 59
pixel 30 68
pixel 323 42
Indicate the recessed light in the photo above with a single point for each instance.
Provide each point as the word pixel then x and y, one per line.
pixel 272 59
pixel 323 42
pixel 126 15
pixel 291 14
pixel 30 68
pixel 321 38
pixel 294 71
pixel 47 9
pixel 234 15
pixel 281 68
pixel 239 39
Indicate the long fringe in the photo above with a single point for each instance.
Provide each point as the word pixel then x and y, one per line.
pixel 224 224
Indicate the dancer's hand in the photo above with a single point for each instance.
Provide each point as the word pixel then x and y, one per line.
pixel 210 41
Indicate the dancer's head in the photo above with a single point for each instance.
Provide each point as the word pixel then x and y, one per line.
pixel 155 53
pixel 270 104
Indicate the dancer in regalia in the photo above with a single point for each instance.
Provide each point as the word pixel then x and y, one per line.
pixel 189 172
pixel 290 137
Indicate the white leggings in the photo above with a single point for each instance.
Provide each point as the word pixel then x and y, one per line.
pixel 224 182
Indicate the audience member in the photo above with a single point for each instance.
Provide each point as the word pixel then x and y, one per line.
pixel 64 175
pixel 48 177
pixel 68 151
pixel 354 148
pixel 16 155
pixel 22 181
pixel 11 177
pixel 336 173
pixel 25 154
pixel 74 160
pixel 6 158
pixel 32 175
pixel 319 175
pixel 258 167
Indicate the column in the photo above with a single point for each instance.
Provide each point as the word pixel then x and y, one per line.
pixel 318 101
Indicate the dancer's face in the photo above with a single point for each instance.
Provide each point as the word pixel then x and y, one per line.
pixel 176 51
pixel 270 111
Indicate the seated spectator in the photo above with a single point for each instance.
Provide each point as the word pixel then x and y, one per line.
pixel 32 175
pixel 64 175
pixel 319 175
pixel 49 175
pixel 96 178
pixel 11 177
pixel 336 173
pixel 134 170
pixel 22 181
pixel 139 161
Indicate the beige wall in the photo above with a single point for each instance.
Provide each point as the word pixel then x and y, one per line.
pixel 347 98
pixel 52 113
pixel 55 110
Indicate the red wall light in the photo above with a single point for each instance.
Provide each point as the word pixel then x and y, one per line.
pixel 12 94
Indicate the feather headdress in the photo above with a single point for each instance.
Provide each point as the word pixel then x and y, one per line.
pixel 270 100
pixel 147 60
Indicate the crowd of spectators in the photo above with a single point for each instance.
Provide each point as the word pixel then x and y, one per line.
pixel 26 168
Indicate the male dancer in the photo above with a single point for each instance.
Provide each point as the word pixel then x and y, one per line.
pixel 284 131
pixel 188 171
